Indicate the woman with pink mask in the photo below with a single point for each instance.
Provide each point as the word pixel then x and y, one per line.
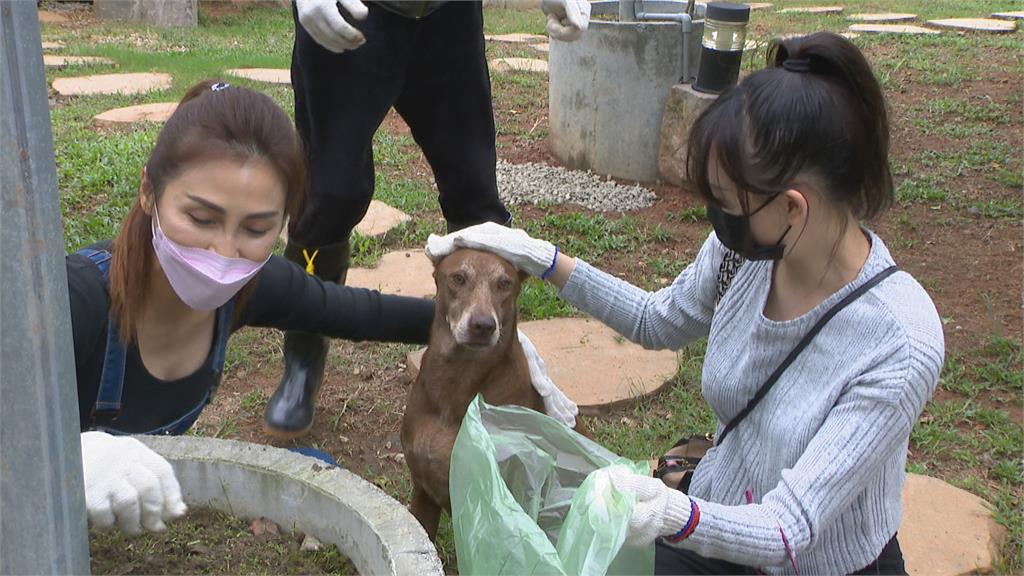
pixel 152 310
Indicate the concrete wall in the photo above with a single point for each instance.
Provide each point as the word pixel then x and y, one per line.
pixel 153 12
pixel 607 93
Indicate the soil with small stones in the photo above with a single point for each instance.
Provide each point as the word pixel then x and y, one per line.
pixel 206 541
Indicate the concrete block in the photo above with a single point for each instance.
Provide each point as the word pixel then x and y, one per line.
pixel 134 83
pixel 152 12
pixel 155 112
pixel 502 65
pixel 975 24
pixel 946 530
pixel 380 218
pixel 270 75
pixel 406 273
pixel 682 108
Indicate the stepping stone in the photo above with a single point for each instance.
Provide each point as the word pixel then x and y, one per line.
pixel 136 83
pixel 957 537
pixel 847 35
pixel 407 273
pixel 759 5
pixel 882 17
pixel 156 112
pixel 519 64
pixel 978 24
pixel 812 10
pixel 47 17
pixel 380 218
pixel 516 38
pixel 892 29
pixel 591 363
pixel 1009 15
pixel 271 75
pixel 545 47
pixel 52 45
pixel 54 61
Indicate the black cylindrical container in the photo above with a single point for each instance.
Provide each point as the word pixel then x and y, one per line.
pixel 721 47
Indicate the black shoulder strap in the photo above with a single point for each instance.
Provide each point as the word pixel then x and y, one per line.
pixel 763 390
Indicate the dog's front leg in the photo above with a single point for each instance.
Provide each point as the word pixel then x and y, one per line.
pixel 425 510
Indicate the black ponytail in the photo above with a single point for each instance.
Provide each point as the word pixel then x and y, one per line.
pixel 816 112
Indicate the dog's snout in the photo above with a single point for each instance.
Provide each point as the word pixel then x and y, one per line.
pixel 482 324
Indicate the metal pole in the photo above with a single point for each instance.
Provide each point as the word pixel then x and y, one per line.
pixel 42 511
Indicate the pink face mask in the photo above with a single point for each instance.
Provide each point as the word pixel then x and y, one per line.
pixel 203 279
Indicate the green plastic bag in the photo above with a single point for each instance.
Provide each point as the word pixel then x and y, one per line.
pixel 524 500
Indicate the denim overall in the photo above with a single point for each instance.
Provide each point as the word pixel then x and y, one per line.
pixel 108 400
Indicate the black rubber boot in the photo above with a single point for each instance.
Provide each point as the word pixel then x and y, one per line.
pixel 290 409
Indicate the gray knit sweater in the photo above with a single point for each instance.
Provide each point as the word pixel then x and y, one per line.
pixel 824 452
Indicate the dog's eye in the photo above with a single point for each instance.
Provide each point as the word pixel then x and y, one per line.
pixel 458 279
pixel 504 284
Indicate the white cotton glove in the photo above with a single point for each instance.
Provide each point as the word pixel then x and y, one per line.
pixel 128 483
pixel 567 19
pixel 659 510
pixel 527 254
pixel 556 404
pixel 326 25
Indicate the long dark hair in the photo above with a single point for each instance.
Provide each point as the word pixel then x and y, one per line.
pixel 816 112
pixel 226 122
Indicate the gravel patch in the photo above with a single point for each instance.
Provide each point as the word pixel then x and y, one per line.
pixel 533 183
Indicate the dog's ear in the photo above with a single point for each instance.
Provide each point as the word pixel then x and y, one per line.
pixel 523 277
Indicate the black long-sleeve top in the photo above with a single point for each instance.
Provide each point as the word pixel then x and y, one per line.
pixel 285 297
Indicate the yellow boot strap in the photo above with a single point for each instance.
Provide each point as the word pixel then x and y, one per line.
pixel 309 260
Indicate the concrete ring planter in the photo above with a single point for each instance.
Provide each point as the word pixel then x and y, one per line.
pixel 251 480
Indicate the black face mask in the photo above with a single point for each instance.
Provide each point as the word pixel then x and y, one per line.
pixel 734 233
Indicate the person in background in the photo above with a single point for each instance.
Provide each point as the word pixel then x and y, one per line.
pixel 351 63
pixel 789 163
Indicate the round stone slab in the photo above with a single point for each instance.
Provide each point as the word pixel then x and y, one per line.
pixel 882 17
pixel 592 364
pixel 812 10
pixel 136 83
pixel 271 75
pixel 519 64
pixel 516 38
pixel 55 61
pixel 380 218
pixel 407 273
pixel 975 24
pixel 1009 15
pixel 958 537
pixel 892 29
pixel 156 112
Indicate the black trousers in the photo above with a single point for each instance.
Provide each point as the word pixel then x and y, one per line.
pixel 434 72
pixel 671 560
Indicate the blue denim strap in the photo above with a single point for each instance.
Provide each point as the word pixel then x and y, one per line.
pixel 108 399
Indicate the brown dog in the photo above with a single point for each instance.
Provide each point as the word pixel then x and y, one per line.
pixel 474 348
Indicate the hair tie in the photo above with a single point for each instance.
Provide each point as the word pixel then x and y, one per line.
pixel 218 86
pixel 799 65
